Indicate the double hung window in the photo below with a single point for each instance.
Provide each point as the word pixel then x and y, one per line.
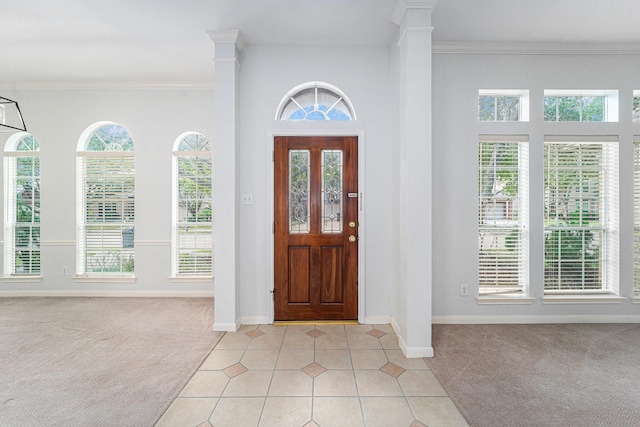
pixel 502 214
pixel 580 214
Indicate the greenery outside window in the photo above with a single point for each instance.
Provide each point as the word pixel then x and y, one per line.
pixel 503 214
pixel 580 214
pixel 192 208
pixel 22 206
pixel 503 105
pixel 106 201
pixel 580 106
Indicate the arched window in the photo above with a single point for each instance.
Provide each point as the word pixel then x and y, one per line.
pixel 22 205
pixel 106 201
pixel 192 206
pixel 315 101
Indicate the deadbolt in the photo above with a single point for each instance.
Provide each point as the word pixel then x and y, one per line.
pixel 352 238
pixel 352 224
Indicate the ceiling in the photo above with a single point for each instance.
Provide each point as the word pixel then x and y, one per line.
pixel 167 40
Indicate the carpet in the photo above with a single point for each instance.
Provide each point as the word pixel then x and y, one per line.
pixel 98 361
pixel 541 375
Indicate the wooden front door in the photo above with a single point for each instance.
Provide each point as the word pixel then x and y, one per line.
pixel 316 228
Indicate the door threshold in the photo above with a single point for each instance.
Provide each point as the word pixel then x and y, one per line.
pixel 314 322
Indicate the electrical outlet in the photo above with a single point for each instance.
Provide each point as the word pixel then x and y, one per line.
pixel 64 270
pixel 464 290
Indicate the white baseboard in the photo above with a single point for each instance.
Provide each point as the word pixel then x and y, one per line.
pixel 225 327
pixel 255 320
pixel 491 320
pixel 377 320
pixel 106 294
pixel 410 352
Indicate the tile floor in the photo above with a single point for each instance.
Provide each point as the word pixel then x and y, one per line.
pixel 312 376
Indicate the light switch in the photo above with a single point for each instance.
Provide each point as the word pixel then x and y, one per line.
pixel 247 199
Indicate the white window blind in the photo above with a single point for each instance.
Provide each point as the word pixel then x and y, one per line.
pixel 22 206
pixel 192 207
pixel 106 207
pixel 636 215
pixel 502 214
pixel 580 214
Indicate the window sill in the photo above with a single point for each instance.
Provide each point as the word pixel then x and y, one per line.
pixel 191 279
pixel 583 299
pixel 505 299
pixel 635 299
pixel 22 279
pixel 105 279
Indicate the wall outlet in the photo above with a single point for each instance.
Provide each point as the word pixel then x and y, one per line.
pixel 464 290
pixel 64 270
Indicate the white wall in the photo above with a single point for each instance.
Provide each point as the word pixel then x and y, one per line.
pixel 456 81
pixel 267 74
pixel 154 118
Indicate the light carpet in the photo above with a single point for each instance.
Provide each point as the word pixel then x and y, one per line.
pixel 98 361
pixel 541 375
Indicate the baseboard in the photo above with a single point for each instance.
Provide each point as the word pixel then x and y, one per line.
pixel 410 352
pixel 254 320
pixel 105 294
pixel 377 320
pixel 225 327
pixel 491 320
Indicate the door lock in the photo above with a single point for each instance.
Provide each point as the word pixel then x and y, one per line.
pixel 352 238
pixel 352 224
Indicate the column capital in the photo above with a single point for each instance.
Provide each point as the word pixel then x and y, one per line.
pixel 402 6
pixel 221 37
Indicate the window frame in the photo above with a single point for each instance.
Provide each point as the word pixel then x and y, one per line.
pixel 608 214
pixel 523 103
pixel 87 157
pixel 200 244
pixel 518 265
pixel 12 155
pixel 610 107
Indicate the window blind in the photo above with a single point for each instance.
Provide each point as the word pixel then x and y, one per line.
pixel 580 223
pixel 502 214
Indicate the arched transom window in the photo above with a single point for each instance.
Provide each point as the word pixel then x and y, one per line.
pixel 315 101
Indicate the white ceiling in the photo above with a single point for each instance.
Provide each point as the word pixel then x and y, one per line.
pixel 166 40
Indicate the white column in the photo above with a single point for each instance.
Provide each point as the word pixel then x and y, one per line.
pixel 226 180
pixel 414 179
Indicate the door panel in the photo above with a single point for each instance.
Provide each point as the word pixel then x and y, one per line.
pixel 316 215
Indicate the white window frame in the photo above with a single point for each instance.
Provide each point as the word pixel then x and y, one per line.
pixel 126 222
pixel 199 242
pixel 523 103
pixel 500 274
pixel 608 214
pixel 295 100
pixel 12 153
pixel 636 216
pixel 611 101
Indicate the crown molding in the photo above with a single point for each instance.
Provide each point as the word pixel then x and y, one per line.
pixel 402 6
pixel 528 48
pixel 107 85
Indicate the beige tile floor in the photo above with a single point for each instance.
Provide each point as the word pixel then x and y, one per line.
pixel 312 376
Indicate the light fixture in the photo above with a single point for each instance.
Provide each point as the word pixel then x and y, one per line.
pixel 10 116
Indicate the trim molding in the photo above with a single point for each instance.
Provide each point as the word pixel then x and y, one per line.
pixel 377 320
pixel 522 48
pixel 497 320
pixel 108 85
pixel 255 320
pixel 226 327
pixel 410 352
pixel 107 294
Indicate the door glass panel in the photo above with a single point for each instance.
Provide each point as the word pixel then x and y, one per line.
pixel 331 191
pixel 299 165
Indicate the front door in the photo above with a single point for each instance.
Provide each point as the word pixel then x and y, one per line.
pixel 316 228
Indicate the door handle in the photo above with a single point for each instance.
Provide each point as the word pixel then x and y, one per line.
pixel 352 238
